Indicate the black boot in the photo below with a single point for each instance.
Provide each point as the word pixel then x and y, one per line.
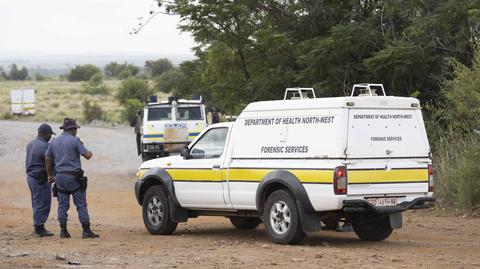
pixel 63 231
pixel 40 231
pixel 87 233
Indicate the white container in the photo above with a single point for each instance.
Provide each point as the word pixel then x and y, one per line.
pixel 23 101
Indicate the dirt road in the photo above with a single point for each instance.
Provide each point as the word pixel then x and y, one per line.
pixel 427 239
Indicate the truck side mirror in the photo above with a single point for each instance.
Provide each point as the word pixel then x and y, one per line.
pixel 184 153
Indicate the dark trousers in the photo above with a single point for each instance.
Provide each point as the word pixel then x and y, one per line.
pixel 68 183
pixel 41 200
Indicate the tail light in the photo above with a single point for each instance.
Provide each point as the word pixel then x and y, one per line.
pixel 431 187
pixel 340 180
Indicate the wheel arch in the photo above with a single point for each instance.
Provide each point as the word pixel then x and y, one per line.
pixel 159 176
pixel 282 179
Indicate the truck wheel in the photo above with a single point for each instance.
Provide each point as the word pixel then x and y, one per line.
pixel 156 215
pixel 373 230
pixel 281 219
pixel 243 223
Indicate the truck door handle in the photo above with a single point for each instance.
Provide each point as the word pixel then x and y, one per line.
pixel 216 166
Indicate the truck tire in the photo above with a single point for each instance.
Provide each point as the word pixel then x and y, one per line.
pixel 281 219
pixel 156 213
pixel 243 223
pixel 374 230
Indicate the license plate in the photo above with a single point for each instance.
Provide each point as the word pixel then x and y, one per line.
pixel 382 201
pixel 175 126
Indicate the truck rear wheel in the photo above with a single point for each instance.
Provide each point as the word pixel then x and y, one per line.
pixel 243 223
pixel 156 213
pixel 281 219
pixel 373 230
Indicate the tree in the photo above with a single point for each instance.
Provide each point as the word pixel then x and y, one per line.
pixel 157 67
pixel 16 74
pixel 133 88
pixel 121 71
pixel 83 72
pixel 252 50
pixel 231 22
pixel 3 75
pixel 168 81
pixel 459 111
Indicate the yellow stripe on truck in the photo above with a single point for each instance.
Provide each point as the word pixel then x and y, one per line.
pixel 314 176
pixel 195 174
pixel 253 175
pixel 387 176
pixel 303 175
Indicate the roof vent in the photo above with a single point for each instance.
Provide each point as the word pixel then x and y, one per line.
pixel 368 89
pixel 299 93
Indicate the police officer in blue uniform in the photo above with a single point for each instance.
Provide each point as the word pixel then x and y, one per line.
pixel 40 188
pixel 63 157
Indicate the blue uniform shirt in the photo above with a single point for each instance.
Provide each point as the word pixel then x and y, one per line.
pixel 65 150
pixel 35 159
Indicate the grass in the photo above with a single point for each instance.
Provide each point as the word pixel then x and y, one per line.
pixel 457 171
pixel 57 99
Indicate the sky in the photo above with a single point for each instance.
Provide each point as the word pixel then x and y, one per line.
pixel 86 27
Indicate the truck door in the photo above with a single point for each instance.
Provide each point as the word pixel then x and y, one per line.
pixel 199 179
pixel 388 152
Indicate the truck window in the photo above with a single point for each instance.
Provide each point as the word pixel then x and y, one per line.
pixel 189 113
pixel 159 113
pixel 210 145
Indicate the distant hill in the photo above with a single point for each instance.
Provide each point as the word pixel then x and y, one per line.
pixel 54 65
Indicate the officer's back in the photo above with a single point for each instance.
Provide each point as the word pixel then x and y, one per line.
pixel 66 150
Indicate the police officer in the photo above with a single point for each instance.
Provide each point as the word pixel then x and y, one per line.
pixel 40 188
pixel 63 154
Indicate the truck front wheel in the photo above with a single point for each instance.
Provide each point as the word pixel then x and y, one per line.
pixel 377 229
pixel 156 215
pixel 281 219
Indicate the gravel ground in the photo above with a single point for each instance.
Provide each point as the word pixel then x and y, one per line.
pixel 427 240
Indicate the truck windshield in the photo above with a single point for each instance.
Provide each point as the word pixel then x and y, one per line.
pixel 189 113
pixel 159 113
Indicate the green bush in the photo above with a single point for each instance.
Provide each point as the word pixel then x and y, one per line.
pixel 457 173
pixel 130 109
pixel 133 88
pixel 39 77
pixel 122 71
pixel 95 85
pixel 92 111
pixel 83 72
pixel 456 147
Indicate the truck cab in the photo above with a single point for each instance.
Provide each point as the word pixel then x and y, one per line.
pixel 165 127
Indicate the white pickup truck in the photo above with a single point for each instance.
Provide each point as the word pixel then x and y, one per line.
pixel 295 164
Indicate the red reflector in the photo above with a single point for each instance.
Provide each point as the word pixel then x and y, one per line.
pixel 431 187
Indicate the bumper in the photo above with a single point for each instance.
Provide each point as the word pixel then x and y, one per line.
pixel 362 206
